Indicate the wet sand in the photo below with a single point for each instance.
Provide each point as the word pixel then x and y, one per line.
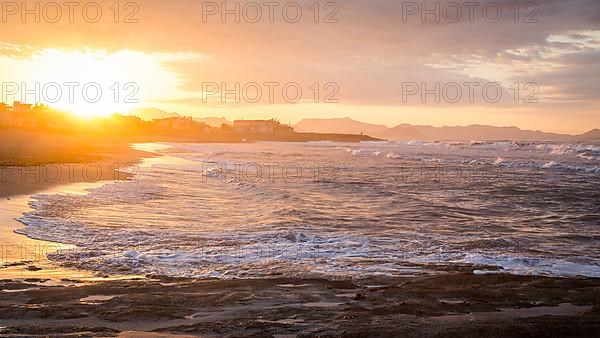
pixel 30 168
pixel 23 257
pixel 27 167
pixel 454 303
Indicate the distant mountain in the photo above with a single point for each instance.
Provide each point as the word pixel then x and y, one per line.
pixel 150 114
pixel 481 132
pixel 410 132
pixel 339 126
pixel 213 121
pixel 593 134
pixel 402 132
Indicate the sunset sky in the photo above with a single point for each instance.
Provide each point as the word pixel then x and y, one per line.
pixel 170 52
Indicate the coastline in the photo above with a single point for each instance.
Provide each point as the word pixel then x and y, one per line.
pixel 26 177
pixel 22 257
pixel 448 301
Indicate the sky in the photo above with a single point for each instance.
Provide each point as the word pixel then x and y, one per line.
pixel 535 66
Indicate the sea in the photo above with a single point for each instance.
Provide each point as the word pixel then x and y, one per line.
pixel 334 210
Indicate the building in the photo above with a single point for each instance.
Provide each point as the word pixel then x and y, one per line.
pixel 23 115
pixel 173 123
pixel 178 124
pixel 4 115
pixel 28 116
pixel 260 126
pixel 20 115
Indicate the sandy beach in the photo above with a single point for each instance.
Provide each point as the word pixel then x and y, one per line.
pixel 32 163
pixel 32 166
pixel 453 303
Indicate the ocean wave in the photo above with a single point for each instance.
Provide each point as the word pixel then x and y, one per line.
pixel 577 158
pixel 180 218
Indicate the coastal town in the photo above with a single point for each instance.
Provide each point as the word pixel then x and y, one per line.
pixel 43 118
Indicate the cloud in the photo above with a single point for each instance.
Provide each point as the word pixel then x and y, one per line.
pixel 369 53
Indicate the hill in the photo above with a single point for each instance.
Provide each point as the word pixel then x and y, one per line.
pixel 593 134
pixel 149 114
pixel 339 126
pixel 482 132
pixel 423 132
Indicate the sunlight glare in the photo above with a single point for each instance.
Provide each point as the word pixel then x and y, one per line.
pixel 91 83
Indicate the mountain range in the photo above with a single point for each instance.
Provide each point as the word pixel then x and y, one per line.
pixel 421 132
pixel 399 132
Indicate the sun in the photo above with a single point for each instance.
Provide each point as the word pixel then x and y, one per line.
pixel 89 82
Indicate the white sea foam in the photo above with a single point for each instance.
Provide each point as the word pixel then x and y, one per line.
pixel 534 266
pixel 548 156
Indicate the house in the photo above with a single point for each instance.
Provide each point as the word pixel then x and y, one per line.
pixel 178 124
pixel 21 115
pixel 174 123
pixel 28 116
pixel 260 126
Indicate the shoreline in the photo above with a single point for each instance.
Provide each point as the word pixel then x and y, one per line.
pixel 22 257
pixel 31 178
